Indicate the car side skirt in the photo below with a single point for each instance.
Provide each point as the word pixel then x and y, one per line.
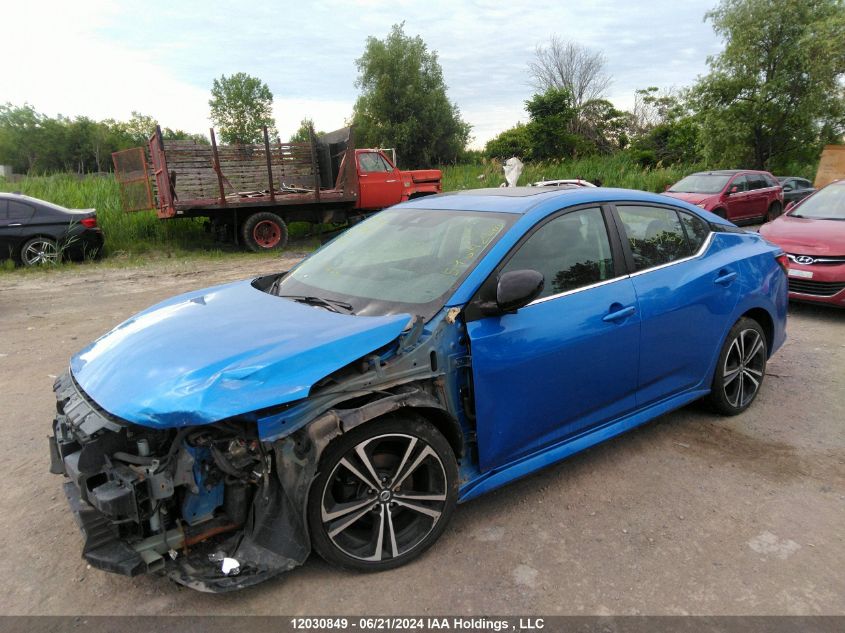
pixel 526 465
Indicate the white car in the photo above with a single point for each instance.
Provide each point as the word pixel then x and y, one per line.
pixel 576 182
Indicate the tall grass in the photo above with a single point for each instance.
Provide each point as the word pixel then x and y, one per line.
pixel 618 170
pixel 131 233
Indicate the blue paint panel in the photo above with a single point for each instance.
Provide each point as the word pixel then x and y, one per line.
pixel 685 316
pixel 220 352
pixel 520 468
pixel 552 370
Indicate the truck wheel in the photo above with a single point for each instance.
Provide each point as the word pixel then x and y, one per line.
pixel 774 211
pixel 264 231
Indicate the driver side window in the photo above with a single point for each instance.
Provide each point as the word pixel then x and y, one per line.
pixel 372 162
pixel 572 251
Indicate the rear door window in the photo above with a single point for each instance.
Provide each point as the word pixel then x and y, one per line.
pixel 756 181
pixel 655 235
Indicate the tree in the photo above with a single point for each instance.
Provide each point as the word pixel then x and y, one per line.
pixel 551 115
pixel 663 129
pixel 303 133
pixel 22 138
pixel 572 67
pixel 240 106
pixel 603 127
pixel 775 93
pixel 512 142
pixel 403 102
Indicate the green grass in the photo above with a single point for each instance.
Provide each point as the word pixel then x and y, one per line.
pixel 618 170
pixel 126 233
pixel 137 235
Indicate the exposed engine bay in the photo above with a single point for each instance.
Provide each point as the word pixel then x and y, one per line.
pixel 189 502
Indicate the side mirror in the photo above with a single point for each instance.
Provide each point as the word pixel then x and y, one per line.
pixel 787 187
pixel 515 290
pixel 733 190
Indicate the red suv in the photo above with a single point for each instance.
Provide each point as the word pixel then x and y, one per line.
pixel 742 195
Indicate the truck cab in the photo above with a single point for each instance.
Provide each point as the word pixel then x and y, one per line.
pixel 382 184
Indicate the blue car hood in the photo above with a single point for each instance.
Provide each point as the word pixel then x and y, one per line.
pixel 220 352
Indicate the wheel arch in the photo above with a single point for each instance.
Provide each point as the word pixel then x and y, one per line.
pixel 416 401
pixel 762 316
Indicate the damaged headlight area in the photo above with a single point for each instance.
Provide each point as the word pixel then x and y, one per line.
pixel 201 504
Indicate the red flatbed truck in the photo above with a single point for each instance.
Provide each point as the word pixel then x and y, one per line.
pixel 250 193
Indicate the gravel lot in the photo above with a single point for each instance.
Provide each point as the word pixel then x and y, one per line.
pixel 689 514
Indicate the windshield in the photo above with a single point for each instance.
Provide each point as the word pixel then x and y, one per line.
pixel 402 260
pixel 825 204
pixel 700 183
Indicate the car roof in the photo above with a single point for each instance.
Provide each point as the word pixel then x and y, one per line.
pixel 537 200
pixel 17 195
pixel 728 172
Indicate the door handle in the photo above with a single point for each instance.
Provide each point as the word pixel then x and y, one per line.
pixel 15 224
pixel 725 277
pixel 618 315
pixel 392 180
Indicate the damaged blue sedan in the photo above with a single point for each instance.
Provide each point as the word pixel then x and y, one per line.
pixel 438 350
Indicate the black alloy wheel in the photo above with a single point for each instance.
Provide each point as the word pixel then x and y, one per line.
pixel 741 368
pixel 384 494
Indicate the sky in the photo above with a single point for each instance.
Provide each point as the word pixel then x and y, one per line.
pixel 104 59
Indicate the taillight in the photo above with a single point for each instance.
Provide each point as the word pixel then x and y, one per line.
pixel 783 262
pixel 89 223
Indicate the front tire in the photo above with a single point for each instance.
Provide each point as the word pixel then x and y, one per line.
pixel 741 368
pixel 264 231
pixel 385 493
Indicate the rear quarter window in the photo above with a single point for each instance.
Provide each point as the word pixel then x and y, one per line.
pixel 20 211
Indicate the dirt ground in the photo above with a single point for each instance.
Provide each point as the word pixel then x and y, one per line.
pixel 691 514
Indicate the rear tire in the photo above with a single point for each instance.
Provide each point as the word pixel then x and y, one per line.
pixel 385 493
pixel 721 213
pixel 740 369
pixel 264 231
pixel 39 251
pixel 775 209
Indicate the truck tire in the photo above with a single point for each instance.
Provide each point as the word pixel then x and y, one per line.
pixel 264 231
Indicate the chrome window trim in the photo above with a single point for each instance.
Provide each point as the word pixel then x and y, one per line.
pixel 574 290
pixel 695 255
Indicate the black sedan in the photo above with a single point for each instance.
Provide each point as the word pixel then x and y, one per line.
pixel 35 232
pixel 794 188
